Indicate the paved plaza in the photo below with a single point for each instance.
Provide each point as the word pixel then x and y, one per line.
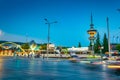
pixel 38 69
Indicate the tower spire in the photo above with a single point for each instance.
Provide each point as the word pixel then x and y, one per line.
pixel 91 24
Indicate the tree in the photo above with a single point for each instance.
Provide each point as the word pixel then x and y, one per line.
pixel 43 46
pixel 97 44
pixel 60 48
pixel 25 46
pixel 32 42
pixel 0 47
pixel 118 47
pixel 105 43
pixel 79 44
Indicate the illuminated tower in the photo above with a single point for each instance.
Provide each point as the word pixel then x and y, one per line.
pixel 92 33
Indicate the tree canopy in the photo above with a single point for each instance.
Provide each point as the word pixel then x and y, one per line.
pixel 25 46
pixel 118 47
pixel 79 44
pixel 97 44
pixel 105 44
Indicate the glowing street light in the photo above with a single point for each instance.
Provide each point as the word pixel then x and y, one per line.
pixel 48 38
pixel 108 30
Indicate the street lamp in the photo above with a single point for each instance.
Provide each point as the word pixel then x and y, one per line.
pixel 108 30
pixel 92 32
pixel 48 38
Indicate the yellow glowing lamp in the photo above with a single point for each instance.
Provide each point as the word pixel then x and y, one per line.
pixel 92 32
pixel 114 66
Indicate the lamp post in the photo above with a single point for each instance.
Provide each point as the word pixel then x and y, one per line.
pixel 48 38
pixel 100 48
pixel 108 30
pixel 92 32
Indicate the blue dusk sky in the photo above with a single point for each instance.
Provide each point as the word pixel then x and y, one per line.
pixel 24 19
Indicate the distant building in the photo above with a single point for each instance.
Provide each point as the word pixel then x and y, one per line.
pixel 51 48
pixel 113 46
pixel 80 50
